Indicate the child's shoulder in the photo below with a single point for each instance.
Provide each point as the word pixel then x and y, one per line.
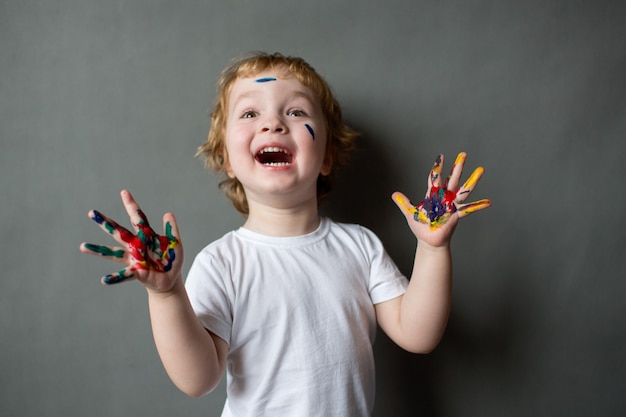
pixel 225 242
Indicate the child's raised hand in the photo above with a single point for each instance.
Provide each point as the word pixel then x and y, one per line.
pixel 154 260
pixel 434 219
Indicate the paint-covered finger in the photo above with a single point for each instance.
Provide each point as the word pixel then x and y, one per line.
pixel 434 178
pixel 409 209
pixel 469 208
pixel 454 179
pixel 108 225
pixel 170 243
pixel 463 193
pixel 125 274
pixel 115 253
pixel 403 203
pixel 137 217
pixel 170 226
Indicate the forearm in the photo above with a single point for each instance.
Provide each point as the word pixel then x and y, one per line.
pixel 425 306
pixel 191 357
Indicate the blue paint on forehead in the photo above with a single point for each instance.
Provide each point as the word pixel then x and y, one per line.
pixel 264 80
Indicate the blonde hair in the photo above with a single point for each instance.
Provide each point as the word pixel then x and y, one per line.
pixel 341 138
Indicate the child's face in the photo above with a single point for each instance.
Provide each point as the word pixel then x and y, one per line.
pixel 275 138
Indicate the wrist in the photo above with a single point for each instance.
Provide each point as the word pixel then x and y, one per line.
pixel 423 246
pixel 163 293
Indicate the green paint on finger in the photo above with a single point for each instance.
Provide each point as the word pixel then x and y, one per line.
pixel 110 228
pixel 168 232
pixel 105 251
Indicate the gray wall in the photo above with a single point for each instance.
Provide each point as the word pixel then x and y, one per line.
pixel 100 95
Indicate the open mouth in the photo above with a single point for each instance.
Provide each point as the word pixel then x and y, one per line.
pixel 274 156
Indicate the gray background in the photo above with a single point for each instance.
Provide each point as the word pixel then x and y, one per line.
pixel 96 96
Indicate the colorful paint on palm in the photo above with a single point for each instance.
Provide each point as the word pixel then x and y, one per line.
pixel 147 249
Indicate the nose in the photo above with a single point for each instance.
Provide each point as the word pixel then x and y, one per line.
pixel 274 124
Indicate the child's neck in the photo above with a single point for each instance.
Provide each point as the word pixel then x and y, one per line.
pixel 292 221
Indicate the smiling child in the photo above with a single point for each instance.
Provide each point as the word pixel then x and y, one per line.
pixel 288 304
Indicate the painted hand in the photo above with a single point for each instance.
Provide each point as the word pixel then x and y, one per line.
pixel 444 203
pixel 154 260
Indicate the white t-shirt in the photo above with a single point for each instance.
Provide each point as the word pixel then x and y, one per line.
pixel 298 316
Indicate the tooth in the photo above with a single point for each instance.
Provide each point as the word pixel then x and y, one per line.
pixel 273 149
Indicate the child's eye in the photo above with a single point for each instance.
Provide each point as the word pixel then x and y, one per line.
pixel 296 113
pixel 249 114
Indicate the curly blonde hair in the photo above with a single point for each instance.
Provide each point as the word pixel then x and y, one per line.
pixel 341 138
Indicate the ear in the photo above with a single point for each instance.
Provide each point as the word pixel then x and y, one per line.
pixel 225 163
pixel 327 166
pixel 228 170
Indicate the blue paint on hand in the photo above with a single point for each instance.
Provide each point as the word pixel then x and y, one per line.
pixel 116 278
pixel 97 217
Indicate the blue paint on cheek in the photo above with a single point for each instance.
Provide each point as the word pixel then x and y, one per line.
pixel 265 80
pixel 311 131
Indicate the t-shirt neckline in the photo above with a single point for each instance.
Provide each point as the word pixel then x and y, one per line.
pixel 291 241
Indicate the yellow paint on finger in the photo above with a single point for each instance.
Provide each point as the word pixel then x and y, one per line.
pixel 457 168
pixel 474 207
pixel 410 208
pixel 460 158
pixel 418 215
pixel 473 179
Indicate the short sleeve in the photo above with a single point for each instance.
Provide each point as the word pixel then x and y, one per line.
pixel 209 295
pixel 385 280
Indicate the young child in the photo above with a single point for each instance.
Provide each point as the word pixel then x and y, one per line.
pixel 288 304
